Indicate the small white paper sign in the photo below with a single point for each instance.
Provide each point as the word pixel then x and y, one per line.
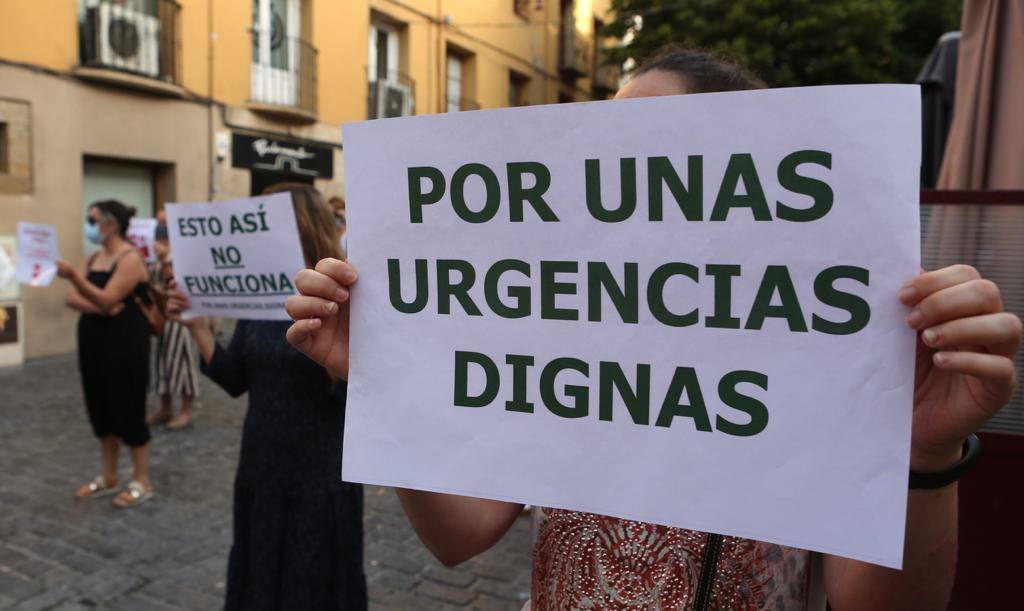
pixel 680 310
pixel 237 258
pixel 142 233
pixel 37 254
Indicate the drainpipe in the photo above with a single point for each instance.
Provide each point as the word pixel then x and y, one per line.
pixel 210 135
pixel 442 75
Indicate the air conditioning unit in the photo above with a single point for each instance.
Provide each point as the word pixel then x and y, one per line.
pixel 393 100
pixel 126 38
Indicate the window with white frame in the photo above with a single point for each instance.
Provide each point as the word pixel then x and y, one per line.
pixel 383 53
pixel 275 51
pixel 391 92
pixel 454 86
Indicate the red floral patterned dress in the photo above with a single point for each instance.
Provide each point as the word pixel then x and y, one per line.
pixel 587 561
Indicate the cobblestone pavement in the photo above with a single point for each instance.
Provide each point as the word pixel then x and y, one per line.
pixel 56 553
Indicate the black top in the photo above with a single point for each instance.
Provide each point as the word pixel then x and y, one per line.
pixel 298 530
pixel 113 358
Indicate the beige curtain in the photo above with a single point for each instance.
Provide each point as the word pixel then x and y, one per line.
pixel 985 149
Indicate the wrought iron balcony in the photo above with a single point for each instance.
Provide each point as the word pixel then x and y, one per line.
pixel 606 77
pixel 391 94
pixel 284 73
pixel 574 54
pixel 138 37
pixel 458 104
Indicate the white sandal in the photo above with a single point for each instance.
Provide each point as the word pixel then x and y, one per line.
pixel 96 488
pixel 135 493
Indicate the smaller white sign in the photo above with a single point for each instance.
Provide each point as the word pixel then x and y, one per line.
pixel 37 254
pixel 142 233
pixel 236 258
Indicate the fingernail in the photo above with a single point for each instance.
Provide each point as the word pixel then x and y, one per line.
pixel 330 307
pixel 315 322
pixel 907 294
pixel 941 358
pixel 915 319
pixel 349 275
pixel 930 336
pixel 340 295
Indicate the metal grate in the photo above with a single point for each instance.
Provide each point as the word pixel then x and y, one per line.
pixel 989 236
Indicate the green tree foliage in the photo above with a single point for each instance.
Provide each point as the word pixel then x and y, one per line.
pixel 794 42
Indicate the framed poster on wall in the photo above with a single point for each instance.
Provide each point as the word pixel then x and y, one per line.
pixel 8 324
pixel 12 345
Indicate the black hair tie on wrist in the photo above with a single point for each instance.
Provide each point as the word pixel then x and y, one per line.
pixel 941 479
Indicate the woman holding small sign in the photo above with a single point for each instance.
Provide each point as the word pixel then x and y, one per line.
pixel 298 529
pixel 964 374
pixel 109 290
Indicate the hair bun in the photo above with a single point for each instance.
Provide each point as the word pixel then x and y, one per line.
pixel 132 211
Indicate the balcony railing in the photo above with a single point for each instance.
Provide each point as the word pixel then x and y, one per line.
pixel 139 37
pixel 606 77
pixel 982 229
pixel 391 94
pixel 284 72
pixel 458 104
pixel 574 55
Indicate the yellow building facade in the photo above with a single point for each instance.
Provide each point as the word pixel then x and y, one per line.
pixel 151 101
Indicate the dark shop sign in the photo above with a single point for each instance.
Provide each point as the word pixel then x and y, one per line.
pixel 274 155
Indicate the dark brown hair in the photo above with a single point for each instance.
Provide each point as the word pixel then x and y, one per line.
pixel 113 209
pixel 702 71
pixel 317 230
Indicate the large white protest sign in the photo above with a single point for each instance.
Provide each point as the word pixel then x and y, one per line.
pixel 37 254
pixel 237 258
pixel 142 233
pixel 680 310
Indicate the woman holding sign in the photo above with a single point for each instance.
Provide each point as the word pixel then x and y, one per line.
pixel 298 529
pixel 964 374
pixel 113 349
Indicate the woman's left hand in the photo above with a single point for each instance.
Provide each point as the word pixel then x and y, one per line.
pixel 964 369
pixel 64 269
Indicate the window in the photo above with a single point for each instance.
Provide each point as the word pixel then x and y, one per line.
pixel 391 92
pixel 605 75
pixel 460 80
pixel 454 83
pixel 384 53
pixel 132 183
pixel 518 89
pixel 275 51
pixel 3 149
pixel 15 147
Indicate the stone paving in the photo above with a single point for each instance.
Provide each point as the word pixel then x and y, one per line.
pixel 170 553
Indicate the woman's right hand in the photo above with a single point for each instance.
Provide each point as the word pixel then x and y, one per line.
pixel 320 312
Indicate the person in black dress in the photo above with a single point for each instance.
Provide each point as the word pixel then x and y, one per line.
pixel 113 349
pixel 298 529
